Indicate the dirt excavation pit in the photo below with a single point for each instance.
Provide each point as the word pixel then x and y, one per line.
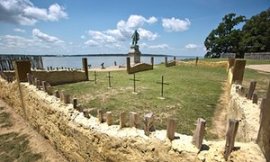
pixel 30 145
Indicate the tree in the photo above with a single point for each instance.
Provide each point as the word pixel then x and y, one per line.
pixel 256 33
pixel 225 38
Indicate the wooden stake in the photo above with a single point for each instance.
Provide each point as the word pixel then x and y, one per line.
pixel 134 120
pixel 251 89
pixel 255 98
pixel 75 103
pixel 56 94
pixel 148 123
pixel 100 115
pixel 230 137
pixel 109 118
pixel 171 127
pixel 199 133
pixel 123 119
pixel 66 98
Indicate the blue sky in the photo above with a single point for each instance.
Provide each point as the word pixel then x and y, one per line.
pixel 105 26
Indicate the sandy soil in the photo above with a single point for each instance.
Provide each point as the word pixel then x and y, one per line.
pixel 264 68
pixel 107 69
pixel 37 143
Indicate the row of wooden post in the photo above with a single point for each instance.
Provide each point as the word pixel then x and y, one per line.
pixel 50 68
pixel 132 119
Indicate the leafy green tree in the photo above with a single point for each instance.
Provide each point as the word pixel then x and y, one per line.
pixel 225 38
pixel 256 33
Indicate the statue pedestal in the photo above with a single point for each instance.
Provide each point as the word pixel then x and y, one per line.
pixel 134 54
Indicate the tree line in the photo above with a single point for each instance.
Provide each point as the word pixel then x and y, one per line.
pixel 239 35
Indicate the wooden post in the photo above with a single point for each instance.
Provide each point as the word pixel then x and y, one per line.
pixel 86 113
pixel 199 133
pixel 171 127
pixel 268 92
pixel 148 123
pixel 196 62
pixel 251 89
pixel 230 137
pixel 255 98
pixel 29 78
pixel 134 120
pixel 75 103
pixel 152 62
pixel 38 84
pixel 238 71
pixel 62 95
pixel 123 119
pixel 44 86
pixel 128 65
pixel 56 94
pixel 230 63
pixel 100 115
pixel 166 61
pixel 263 138
pixel 85 67
pixel 109 118
pixel 66 98
pixel 95 74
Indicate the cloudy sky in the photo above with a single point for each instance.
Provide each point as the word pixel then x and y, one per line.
pixel 172 27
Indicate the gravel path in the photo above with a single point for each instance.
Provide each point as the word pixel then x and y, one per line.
pixel 264 67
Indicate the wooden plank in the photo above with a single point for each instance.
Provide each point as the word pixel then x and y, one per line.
pixel 197 139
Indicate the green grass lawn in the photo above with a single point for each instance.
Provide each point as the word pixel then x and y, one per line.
pixel 262 81
pixel 192 92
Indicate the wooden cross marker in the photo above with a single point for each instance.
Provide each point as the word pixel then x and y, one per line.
pixel 109 77
pixel 134 83
pixel 162 86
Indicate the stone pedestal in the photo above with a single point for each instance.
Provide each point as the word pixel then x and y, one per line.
pixel 134 54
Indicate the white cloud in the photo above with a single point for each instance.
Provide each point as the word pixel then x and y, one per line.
pixel 101 37
pixel 11 41
pixel 175 25
pixel 191 46
pixel 136 21
pixel 45 37
pixel 19 30
pixel 159 46
pixel 24 12
pixel 123 32
pixel 146 34
pixel 91 43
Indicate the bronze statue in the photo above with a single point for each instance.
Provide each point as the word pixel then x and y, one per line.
pixel 135 38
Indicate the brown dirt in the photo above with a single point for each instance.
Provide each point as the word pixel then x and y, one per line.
pixel 37 143
pixel 220 115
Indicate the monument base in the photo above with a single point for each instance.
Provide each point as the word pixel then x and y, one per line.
pixel 134 54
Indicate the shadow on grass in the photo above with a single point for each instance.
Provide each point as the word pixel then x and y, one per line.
pixel 15 147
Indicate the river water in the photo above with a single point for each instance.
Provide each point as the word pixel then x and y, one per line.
pixel 96 61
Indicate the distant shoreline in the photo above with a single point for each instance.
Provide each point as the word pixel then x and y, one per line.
pixel 87 55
